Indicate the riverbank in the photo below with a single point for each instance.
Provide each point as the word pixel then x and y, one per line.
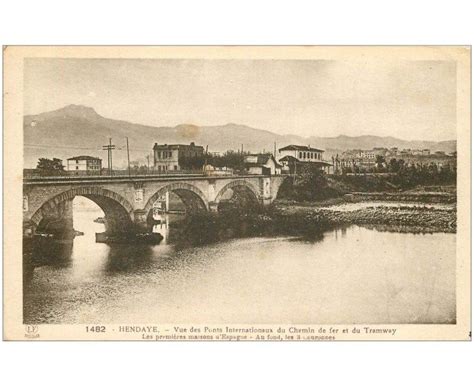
pixel 420 218
pixel 408 196
pixel 420 212
pixel 312 219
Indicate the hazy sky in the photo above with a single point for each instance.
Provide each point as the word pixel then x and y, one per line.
pixel 409 100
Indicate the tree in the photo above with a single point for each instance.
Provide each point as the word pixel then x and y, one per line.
pixel 379 163
pixel 229 159
pixel 191 162
pixel 396 165
pixel 48 167
pixel 311 184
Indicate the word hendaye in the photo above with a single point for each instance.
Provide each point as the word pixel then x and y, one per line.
pixel 138 329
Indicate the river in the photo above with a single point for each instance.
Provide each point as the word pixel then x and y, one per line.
pixel 350 275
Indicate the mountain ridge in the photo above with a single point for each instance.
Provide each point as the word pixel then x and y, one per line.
pixel 63 132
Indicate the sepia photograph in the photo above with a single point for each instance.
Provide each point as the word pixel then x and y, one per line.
pixel 237 193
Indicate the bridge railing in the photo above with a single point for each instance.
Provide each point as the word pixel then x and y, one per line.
pixel 31 174
pixel 35 177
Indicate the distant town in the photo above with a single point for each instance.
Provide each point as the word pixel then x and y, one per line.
pixel 290 159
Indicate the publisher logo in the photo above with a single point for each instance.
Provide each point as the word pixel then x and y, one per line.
pixel 31 331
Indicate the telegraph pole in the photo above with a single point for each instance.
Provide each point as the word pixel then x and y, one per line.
pixel 205 160
pixel 148 159
pixel 109 149
pixel 128 158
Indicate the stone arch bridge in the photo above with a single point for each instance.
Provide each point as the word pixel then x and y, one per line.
pixel 127 202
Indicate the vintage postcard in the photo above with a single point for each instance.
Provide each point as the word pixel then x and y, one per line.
pixel 237 193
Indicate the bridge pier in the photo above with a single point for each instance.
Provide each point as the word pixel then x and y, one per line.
pixel 140 222
pixel 58 221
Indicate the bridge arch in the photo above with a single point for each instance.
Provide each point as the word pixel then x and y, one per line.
pixel 192 197
pixel 241 188
pixel 117 209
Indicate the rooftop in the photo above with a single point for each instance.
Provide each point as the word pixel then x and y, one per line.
pixel 261 159
pixel 84 158
pixel 301 148
pixel 192 145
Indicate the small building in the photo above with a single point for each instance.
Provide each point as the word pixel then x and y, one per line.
pixel 368 155
pixel 210 170
pixel 262 164
pixel 177 157
pixel 84 165
pixel 293 156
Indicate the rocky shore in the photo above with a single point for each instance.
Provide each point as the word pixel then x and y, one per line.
pixel 423 197
pixel 312 219
pixel 396 217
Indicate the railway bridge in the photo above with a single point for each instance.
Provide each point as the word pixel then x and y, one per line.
pixel 127 201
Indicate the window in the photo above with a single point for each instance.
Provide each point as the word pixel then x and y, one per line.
pixel 77 161
pixel 175 167
pixel 300 154
pixel 77 167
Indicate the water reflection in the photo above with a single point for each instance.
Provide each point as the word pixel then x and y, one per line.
pixel 346 275
pixel 162 226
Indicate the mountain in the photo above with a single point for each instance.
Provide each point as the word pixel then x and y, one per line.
pixel 78 130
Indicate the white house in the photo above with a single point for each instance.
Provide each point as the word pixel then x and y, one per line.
pixel 262 164
pixel 84 165
pixel 292 156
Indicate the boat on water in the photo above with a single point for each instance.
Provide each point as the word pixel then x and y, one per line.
pixel 99 220
pixel 43 235
pixel 145 238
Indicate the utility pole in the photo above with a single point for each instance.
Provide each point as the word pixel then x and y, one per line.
pixel 205 161
pixel 128 158
pixel 148 159
pixel 242 149
pixel 109 149
pixel 275 150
